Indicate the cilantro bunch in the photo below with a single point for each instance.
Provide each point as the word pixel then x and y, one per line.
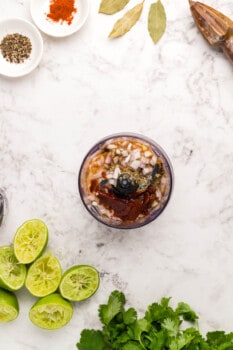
pixel 159 329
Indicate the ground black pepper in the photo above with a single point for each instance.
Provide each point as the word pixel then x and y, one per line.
pixel 16 48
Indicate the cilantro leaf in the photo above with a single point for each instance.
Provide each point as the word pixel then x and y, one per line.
pixel 198 342
pixel 139 327
pixel 132 346
pixel 180 342
pixel 129 316
pixel 156 312
pixel 171 326
pixel 91 340
pixel 158 340
pixel 115 305
pixel 159 329
pixel 186 312
pixel 220 340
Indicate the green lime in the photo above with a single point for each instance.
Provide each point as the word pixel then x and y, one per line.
pixel 44 275
pixel 12 273
pixel 51 312
pixel 79 282
pixel 9 307
pixel 30 240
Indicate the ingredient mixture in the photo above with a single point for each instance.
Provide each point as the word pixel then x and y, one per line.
pixel 124 181
pixel 16 48
pixel 62 11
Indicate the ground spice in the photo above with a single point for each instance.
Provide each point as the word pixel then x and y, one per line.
pixel 15 48
pixel 62 11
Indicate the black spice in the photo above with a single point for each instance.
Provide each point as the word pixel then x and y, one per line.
pixel 16 48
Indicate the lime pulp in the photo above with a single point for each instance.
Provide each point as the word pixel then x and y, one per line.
pixel 30 240
pixel 51 312
pixel 44 275
pixel 79 282
pixel 12 273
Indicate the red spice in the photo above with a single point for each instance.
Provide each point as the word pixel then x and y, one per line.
pixel 62 10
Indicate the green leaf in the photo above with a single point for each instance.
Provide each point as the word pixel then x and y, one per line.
pixel 158 312
pixel 139 327
pixel 115 305
pixel 123 338
pixel 171 326
pixel 91 340
pixel 185 310
pixel 109 7
pixel 124 24
pixel 158 340
pixel 220 340
pixel 132 346
pixel 165 302
pixel 156 21
pixel 130 316
pixel 180 342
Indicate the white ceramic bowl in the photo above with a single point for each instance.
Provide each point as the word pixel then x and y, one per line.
pixel 40 8
pixel 23 27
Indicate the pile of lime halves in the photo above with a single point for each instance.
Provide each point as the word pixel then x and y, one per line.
pixel 26 263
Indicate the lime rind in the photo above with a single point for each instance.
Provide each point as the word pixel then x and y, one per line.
pixel 51 312
pixel 9 307
pixel 44 275
pixel 79 283
pixel 30 240
pixel 12 273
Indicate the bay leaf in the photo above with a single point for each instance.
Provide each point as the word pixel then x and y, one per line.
pixel 124 24
pixel 157 21
pixel 109 7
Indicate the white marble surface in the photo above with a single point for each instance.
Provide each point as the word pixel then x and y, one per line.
pixel 178 92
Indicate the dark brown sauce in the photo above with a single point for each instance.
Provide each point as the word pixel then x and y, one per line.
pixel 94 186
pixel 128 209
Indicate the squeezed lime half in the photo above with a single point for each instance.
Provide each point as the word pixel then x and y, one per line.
pixel 79 282
pixel 51 312
pixel 44 275
pixel 12 273
pixel 9 307
pixel 30 240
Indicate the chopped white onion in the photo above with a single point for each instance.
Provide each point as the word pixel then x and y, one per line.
pixel 153 160
pixel 111 146
pixel 147 170
pixel 127 159
pixel 135 164
pixel 116 173
pixel 147 154
pixel 129 146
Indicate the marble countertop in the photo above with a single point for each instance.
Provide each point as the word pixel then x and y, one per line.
pixel 179 93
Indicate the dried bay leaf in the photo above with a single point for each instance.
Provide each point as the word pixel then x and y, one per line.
pixel 124 24
pixel 109 7
pixel 156 21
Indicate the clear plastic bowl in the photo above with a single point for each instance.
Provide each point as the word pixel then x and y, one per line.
pixel 126 180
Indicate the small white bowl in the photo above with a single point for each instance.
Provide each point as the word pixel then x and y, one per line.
pixel 23 27
pixel 40 8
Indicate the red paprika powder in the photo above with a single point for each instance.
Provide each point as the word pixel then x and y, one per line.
pixel 62 10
